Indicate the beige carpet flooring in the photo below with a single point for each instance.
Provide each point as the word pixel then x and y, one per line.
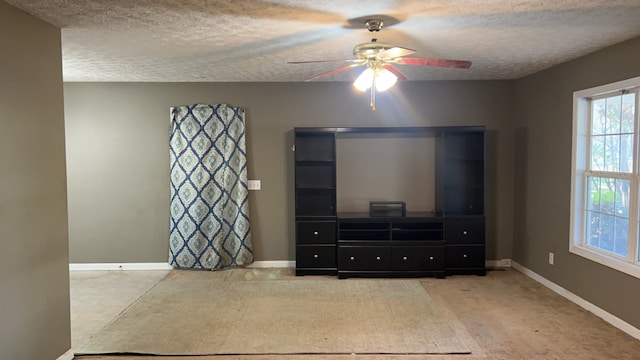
pixel 98 297
pixel 193 313
pixel 504 315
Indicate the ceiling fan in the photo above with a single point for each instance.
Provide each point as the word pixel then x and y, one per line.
pixel 379 58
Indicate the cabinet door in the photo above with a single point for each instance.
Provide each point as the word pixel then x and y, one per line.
pixel 316 232
pixel 364 258
pixel 417 258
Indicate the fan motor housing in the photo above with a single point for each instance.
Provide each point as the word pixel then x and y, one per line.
pixel 370 50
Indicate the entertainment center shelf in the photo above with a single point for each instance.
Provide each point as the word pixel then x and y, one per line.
pixel 446 241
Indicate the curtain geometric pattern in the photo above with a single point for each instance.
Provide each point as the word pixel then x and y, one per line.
pixel 209 196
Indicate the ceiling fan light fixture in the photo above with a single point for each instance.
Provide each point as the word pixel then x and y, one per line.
pixel 375 78
pixel 385 79
pixel 365 80
pixel 380 78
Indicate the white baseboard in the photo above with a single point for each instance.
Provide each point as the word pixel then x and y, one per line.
pixel 601 313
pixel 66 356
pixel 165 266
pixel 273 264
pixel 120 266
pixel 502 263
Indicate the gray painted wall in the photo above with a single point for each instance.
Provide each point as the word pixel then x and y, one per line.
pixel 366 162
pixel 34 261
pixel 117 154
pixel 543 178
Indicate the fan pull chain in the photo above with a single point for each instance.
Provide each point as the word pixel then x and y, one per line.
pixel 372 104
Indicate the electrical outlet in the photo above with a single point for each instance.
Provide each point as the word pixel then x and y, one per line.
pixel 505 262
pixel 551 258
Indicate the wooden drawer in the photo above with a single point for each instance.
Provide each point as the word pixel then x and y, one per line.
pixel 316 232
pixel 464 232
pixel 364 258
pixel 464 256
pixel 316 256
pixel 417 258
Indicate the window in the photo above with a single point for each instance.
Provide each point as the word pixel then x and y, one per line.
pixel 606 176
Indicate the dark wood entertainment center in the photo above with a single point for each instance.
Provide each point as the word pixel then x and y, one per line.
pixel 447 240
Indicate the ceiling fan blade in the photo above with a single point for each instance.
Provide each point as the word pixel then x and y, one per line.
pixel 396 52
pixel 323 61
pixel 460 64
pixel 329 73
pixel 395 72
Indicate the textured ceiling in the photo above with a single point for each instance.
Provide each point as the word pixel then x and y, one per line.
pixel 251 40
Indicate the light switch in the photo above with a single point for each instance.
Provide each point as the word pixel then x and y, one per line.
pixel 254 184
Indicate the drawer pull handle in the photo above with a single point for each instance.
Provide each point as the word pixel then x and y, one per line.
pixel 404 258
pixel 464 256
pixel 315 233
pixel 430 257
pixel 464 232
pixel 377 257
pixel 315 256
pixel 352 258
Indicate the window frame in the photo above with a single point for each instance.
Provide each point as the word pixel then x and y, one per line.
pixel 580 160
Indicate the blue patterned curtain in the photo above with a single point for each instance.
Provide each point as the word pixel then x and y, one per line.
pixel 209 196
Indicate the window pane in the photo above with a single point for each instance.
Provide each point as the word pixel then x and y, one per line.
pixel 597 153
pixel 607 195
pixel 593 229
pixel 612 128
pixel 612 153
pixel 628 109
pixel 620 244
pixel 622 188
pixel 598 117
pixel 593 193
pixel 613 115
pixel 626 153
pixel 607 215
pixel 607 227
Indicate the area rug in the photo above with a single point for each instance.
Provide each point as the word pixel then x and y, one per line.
pixel 353 316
